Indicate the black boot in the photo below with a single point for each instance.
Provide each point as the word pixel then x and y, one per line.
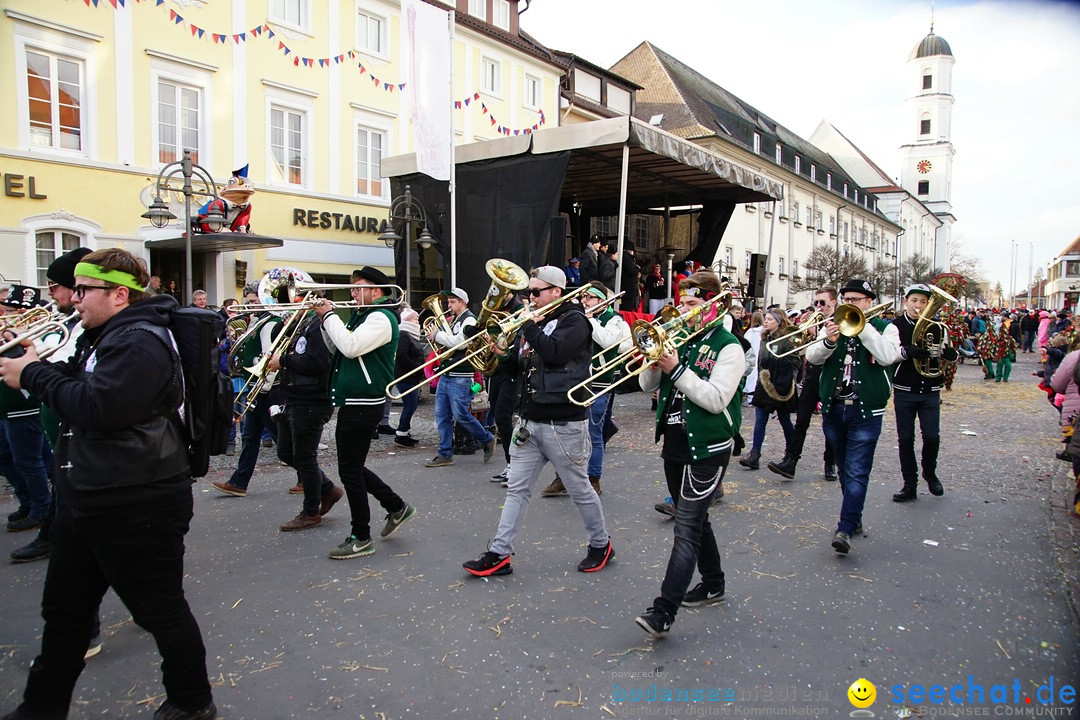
pixel 751 460
pixel 929 465
pixel 785 467
pixel 830 472
pixel 908 493
pixel 909 467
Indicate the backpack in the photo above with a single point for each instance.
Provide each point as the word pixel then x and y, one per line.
pixel 206 415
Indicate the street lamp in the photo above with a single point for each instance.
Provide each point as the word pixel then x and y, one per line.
pixel 669 250
pixel 407 209
pixel 159 214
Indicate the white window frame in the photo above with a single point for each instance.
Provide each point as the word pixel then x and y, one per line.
pixel 749 259
pixel 729 256
pixel 500 9
pixel 372 124
pixel 798 164
pixel 794 268
pixel 757 143
pixel 495 87
pixel 276 13
pixel 71 47
pixel 384 24
pixel 532 101
pixel 780 265
pixel 55 222
pixel 813 172
pixel 279 99
pixel 193 77
pixel 478 9
pixel 779 153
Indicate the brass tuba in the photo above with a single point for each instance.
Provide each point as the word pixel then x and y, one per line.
pixel 506 278
pixel 932 335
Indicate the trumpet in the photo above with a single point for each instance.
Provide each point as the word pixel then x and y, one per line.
pixel 652 340
pixel 502 333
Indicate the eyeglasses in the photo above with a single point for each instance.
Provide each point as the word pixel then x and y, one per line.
pixel 854 299
pixel 535 292
pixel 821 303
pixel 80 290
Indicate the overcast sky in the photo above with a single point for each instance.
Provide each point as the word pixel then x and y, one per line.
pixel 1016 84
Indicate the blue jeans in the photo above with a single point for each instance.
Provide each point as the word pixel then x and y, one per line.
pixel 691 487
pixel 761 421
pixel 854 440
pixel 26 460
pixel 256 422
pixel 567 447
pixel 452 402
pixel 597 413
pixel 409 403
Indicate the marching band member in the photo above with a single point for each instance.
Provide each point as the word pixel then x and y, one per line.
pixel 854 391
pixel 454 392
pixel 555 356
pixel 917 395
pixel 365 351
pixel 698 415
pixel 608 330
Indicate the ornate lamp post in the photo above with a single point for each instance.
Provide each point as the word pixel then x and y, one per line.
pixel 159 214
pixel 407 209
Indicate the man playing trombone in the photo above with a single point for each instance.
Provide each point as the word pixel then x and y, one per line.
pixel 698 415
pixel 555 355
pixel 854 390
pixel 365 351
pixel 611 337
pixel 454 392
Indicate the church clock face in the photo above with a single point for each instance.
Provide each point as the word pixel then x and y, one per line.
pixel 923 166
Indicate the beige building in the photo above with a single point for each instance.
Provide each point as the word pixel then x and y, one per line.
pixel 309 95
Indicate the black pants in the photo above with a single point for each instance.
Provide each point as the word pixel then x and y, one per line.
pixel 138 551
pixel 503 394
pixel 808 401
pixel 927 407
pixel 299 431
pixel 356 426
pixel 691 487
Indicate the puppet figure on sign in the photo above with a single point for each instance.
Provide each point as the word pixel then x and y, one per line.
pixel 234 203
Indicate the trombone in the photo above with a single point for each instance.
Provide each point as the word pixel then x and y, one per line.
pixel 502 331
pixel 259 375
pixel 33 325
pixel 850 318
pixel 302 297
pixel 804 335
pixel 668 331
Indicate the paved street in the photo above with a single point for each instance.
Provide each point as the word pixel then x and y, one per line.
pixel 981 582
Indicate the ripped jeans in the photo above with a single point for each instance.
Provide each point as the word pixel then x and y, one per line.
pixel 567 447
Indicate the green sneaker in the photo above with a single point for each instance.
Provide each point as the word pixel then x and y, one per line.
pixel 352 547
pixel 395 520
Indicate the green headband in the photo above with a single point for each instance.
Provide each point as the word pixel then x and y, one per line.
pixel 119 277
pixel 597 292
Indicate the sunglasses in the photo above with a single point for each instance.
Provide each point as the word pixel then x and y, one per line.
pixel 80 290
pixel 535 292
pixel 821 303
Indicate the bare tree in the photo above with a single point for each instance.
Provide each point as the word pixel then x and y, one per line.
pixel 827 268
pixel 883 277
pixel 917 269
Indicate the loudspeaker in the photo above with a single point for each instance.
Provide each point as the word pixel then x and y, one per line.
pixel 759 267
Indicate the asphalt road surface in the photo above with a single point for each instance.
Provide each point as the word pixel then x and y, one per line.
pixel 975 589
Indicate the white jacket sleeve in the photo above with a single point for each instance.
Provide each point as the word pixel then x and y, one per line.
pixel 449 340
pixel 713 394
pixel 884 345
pixel 613 332
pixel 374 332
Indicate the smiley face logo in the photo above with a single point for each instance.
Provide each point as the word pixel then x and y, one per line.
pixel 862 693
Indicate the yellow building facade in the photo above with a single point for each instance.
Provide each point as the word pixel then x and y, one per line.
pixel 310 95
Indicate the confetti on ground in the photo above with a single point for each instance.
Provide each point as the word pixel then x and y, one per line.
pixel 570 703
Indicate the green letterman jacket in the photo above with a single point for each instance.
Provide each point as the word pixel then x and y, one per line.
pixel 717 359
pixel 364 381
pixel 878 350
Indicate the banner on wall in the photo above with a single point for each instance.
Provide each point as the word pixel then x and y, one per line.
pixel 425 41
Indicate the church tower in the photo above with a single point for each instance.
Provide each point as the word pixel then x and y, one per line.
pixel 927 161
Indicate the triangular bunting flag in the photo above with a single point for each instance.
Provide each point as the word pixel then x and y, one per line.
pixel 476 95
pixel 467 101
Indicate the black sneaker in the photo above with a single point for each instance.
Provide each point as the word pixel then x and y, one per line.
pixel 503 476
pixel 37 550
pixel 27 523
pixel 701 595
pixel 596 559
pixel 830 473
pixel 489 564
pixel 385 429
pixel 168 711
pixel 19 514
pixel 654 622
pixel 405 440
pixel 841 542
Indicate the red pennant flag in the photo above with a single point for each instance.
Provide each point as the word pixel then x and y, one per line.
pixel 296 60
pixel 194 30
pixel 236 39
pixel 476 96
pixel 492 120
